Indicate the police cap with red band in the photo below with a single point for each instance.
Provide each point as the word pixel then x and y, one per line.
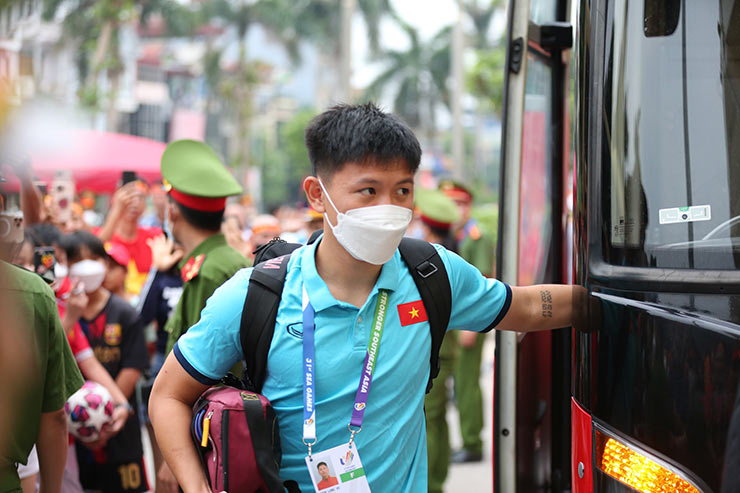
pixel 436 209
pixel 456 190
pixel 196 176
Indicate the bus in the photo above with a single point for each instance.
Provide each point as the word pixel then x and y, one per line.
pixel 621 175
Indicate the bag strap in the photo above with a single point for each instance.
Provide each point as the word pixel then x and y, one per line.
pixel 260 312
pixel 266 288
pixel 430 276
pixel 266 450
pixel 258 317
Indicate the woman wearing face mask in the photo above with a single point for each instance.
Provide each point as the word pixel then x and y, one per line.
pixel 117 339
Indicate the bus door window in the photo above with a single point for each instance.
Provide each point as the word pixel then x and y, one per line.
pixel 536 175
pixel 672 138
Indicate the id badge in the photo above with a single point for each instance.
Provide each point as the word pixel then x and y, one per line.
pixel 338 470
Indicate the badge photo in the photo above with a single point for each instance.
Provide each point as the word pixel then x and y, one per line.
pixel 338 470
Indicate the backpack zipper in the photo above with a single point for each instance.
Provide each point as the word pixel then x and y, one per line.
pixel 206 429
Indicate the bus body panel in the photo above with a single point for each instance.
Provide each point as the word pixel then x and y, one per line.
pixel 664 372
pixel 656 357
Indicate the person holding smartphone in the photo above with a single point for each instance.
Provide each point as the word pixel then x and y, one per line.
pixel 122 226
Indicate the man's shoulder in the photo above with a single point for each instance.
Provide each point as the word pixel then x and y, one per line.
pixel 222 260
pixel 208 281
pixel 24 281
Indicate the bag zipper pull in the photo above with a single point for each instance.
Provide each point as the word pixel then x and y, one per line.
pixel 206 429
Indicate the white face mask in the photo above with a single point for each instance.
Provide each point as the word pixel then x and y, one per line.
pixel 60 271
pixel 90 272
pixel 370 234
pixel 167 226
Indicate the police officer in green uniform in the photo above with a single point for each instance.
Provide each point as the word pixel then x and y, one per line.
pixel 52 376
pixel 37 369
pixel 438 214
pixel 198 184
pixel 477 249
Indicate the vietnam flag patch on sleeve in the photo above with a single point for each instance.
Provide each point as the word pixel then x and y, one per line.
pixel 412 313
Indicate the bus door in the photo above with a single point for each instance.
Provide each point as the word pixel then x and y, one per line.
pixel 531 425
pixel 655 404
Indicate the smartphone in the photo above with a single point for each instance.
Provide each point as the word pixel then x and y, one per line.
pixel 127 177
pixel 44 261
pixel 63 194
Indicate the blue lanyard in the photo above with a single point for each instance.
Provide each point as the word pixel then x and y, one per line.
pixel 309 368
pixel 309 393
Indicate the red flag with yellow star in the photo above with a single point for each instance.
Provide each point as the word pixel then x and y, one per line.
pixel 412 313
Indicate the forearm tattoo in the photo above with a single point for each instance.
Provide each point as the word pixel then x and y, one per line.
pixel 546 297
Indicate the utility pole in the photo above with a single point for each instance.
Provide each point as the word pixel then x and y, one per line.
pixel 458 46
pixel 345 49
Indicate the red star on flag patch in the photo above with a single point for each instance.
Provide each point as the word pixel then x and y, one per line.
pixel 412 313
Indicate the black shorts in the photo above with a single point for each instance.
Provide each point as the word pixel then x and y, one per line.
pixel 114 478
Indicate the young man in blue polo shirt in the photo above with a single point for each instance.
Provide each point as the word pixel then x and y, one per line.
pixel 361 321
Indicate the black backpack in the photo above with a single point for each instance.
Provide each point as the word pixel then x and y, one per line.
pixel 266 288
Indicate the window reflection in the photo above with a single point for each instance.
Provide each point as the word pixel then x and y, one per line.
pixel 535 196
pixel 542 11
pixel 672 134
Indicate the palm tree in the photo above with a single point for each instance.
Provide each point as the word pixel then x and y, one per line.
pixel 419 77
pixel 486 79
pixel 94 25
pixel 420 74
pixel 316 21
pixel 320 22
pixel 238 86
pixel 481 16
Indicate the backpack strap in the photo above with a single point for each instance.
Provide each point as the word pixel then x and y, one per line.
pixel 258 317
pixel 430 276
pixel 263 429
pixel 266 288
pixel 261 306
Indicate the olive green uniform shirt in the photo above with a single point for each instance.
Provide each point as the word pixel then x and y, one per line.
pixel 479 252
pixel 219 263
pixel 54 375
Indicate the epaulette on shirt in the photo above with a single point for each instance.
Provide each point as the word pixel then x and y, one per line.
pixel 471 230
pixel 192 267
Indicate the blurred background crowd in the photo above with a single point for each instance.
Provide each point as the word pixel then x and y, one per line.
pixel 246 75
pixel 91 92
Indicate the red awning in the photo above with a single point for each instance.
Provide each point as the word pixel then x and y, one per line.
pixel 97 159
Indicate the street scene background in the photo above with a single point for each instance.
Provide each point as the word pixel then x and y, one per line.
pixel 91 93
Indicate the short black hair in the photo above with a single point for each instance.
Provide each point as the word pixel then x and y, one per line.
pixel 44 234
pixel 359 133
pixel 73 242
pixel 29 238
pixel 209 221
pixel 321 464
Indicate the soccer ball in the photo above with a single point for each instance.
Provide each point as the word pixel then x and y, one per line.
pixel 88 410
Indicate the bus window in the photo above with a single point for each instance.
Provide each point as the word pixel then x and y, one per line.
pixel 535 199
pixel 543 11
pixel 671 144
pixel 661 18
